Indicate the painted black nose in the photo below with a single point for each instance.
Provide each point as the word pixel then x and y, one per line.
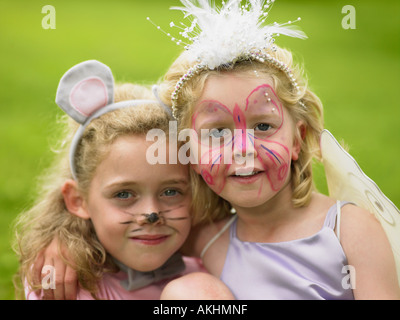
pixel 153 217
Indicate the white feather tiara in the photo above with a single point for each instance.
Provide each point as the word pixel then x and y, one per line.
pixel 235 31
pixel 220 36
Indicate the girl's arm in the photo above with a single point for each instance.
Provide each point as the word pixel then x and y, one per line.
pixel 209 242
pixel 66 279
pixel 369 254
pixel 196 286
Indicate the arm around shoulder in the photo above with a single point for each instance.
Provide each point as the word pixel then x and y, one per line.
pixel 369 252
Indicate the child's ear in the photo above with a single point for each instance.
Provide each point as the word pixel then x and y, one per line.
pixel 73 199
pixel 301 130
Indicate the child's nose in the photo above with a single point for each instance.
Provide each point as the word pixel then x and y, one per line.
pixel 153 218
pixel 243 146
pixel 150 207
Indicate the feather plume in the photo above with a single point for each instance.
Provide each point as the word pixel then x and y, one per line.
pixel 218 36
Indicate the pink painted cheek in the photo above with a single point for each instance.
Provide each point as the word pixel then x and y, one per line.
pixel 208 178
pixel 275 161
pixel 214 171
pixel 283 171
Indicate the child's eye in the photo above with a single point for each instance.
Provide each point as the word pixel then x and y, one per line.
pixel 262 127
pixel 170 193
pixel 124 195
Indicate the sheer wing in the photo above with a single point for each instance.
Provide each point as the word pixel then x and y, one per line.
pixel 346 181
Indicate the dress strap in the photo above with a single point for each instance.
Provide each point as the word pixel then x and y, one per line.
pixel 339 213
pixel 220 232
pixel 333 216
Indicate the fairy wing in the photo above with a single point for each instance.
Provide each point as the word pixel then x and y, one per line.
pixel 346 181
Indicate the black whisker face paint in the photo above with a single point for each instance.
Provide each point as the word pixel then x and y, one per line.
pixel 153 217
pixel 177 218
pixel 127 222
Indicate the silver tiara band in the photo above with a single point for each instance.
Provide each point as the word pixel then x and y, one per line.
pixel 256 56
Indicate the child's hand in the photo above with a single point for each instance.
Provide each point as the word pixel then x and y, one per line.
pixel 66 279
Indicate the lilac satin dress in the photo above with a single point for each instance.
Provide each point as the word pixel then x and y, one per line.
pixel 309 268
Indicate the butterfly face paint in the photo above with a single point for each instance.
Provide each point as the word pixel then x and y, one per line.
pixel 244 119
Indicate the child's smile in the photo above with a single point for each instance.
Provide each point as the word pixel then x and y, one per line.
pixel 140 211
pixel 244 116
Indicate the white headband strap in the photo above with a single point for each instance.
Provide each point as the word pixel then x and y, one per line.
pixel 155 89
pixel 79 133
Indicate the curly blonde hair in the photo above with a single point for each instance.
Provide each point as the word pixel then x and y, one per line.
pixel 49 218
pixel 210 205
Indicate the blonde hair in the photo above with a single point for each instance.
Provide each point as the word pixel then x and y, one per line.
pixel 213 207
pixel 49 217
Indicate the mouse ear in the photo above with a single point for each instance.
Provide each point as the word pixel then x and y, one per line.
pixel 84 89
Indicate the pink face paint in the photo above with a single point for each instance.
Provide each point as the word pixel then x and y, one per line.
pixel 207 177
pixel 239 119
pixel 262 106
pixel 213 156
pixel 273 155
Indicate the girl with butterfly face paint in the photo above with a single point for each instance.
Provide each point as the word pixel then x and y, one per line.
pixel 263 133
pixel 284 242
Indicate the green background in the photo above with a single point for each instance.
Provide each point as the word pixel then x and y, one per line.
pixel 355 72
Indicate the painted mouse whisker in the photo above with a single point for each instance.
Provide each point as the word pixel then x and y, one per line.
pixel 128 222
pixel 169 210
pixel 153 217
pixel 177 218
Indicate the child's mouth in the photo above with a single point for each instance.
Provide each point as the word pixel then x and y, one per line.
pixel 246 177
pixel 150 239
pixel 248 174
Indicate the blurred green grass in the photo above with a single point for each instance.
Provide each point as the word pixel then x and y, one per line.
pixel 356 73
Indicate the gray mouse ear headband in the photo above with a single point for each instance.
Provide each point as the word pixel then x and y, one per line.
pixel 86 92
